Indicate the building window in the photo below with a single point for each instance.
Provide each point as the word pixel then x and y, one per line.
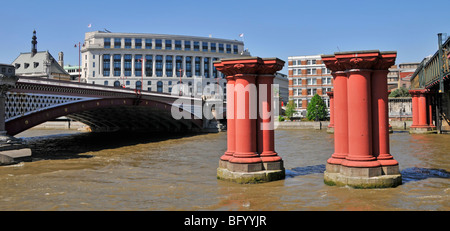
pixel 138 65
pixel 178 66
pixel 214 72
pixel 221 48
pixel 213 47
pixel 117 62
pixel 128 43
pixel 106 64
pixel 235 49
pixel 205 46
pixel 197 66
pixel 148 44
pixel 188 66
pixel 228 49
pixel 93 73
pixel 127 65
pixel 187 45
pixel 311 62
pixel 148 65
pixel 36 64
pixel 158 44
pixel 116 83
pixel 206 67
pixel 177 44
pixel 159 65
pixel 169 65
pixel 105 83
pixel 196 46
pixel 159 86
pixel 138 85
pixel 168 44
pixel 117 43
pixel 325 70
pixel 107 42
pixel 137 43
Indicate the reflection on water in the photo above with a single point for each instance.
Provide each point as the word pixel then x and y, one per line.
pixel 301 171
pixel 415 174
pixel 138 171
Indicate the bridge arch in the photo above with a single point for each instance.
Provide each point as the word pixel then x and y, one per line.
pixel 110 114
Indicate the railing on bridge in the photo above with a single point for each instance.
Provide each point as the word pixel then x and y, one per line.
pixel 433 70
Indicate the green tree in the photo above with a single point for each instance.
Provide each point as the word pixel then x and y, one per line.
pixel 400 92
pixel 290 109
pixel 316 107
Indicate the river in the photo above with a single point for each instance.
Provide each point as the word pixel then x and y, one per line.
pixel 135 171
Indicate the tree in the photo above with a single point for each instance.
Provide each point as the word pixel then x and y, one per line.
pixel 316 107
pixel 290 109
pixel 400 92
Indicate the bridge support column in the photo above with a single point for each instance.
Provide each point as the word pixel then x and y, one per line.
pixel 380 116
pixel 254 159
pixel 11 148
pixel 330 128
pixel 367 120
pixel 421 108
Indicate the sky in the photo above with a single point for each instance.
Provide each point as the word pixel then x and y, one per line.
pixel 271 28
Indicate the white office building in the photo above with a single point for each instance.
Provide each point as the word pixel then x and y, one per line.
pixel 155 62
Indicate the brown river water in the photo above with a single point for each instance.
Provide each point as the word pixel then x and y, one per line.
pixel 136 171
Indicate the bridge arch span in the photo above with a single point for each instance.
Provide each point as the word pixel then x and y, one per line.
pixel 110 114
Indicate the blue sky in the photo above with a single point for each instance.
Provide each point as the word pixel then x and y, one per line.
pixel 275 28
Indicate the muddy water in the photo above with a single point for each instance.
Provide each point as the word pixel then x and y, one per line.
pixel 88 171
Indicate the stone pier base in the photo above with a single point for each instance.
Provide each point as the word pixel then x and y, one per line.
pixel 250 173
pixel 422 130
pixel 13 154
pixel 376 177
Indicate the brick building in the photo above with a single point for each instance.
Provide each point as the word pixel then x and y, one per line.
pixel 308 76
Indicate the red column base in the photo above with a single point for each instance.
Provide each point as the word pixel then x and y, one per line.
pixel 269 156
pixel 227 156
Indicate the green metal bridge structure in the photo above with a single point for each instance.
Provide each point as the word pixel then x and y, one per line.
pixel 433 75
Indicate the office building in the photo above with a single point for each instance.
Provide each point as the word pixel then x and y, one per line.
pixel 308 76
pixel 155 62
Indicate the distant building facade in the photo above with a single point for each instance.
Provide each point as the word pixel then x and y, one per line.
pixel 155 62
pixel 283 87
pixel 39 64
pixel 400 75
pixel 74 72
pixel 308 76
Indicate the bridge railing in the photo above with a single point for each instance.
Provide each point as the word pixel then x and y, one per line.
pixel 432 69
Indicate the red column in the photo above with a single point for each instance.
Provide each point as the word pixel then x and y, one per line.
pixel 231 128
pixel 341 118
pixel 266 136
pixel 380 118
pixel 245 120
pixel 360 124
pixel 331 96
pixel 415 108
pixel 430 111
pixel 422 110
pixel 340 112
pixel 266 145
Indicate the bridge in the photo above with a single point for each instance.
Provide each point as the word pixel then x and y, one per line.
pixel 430 86
pixel 29 101
pixel 33 101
